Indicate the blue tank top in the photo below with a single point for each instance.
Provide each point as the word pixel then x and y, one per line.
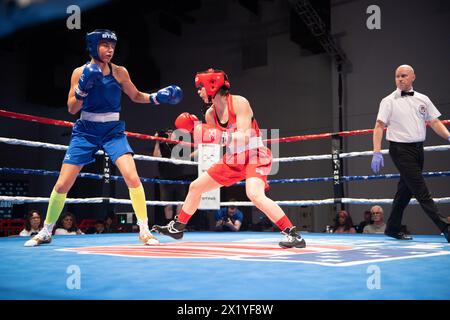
pixel 105 96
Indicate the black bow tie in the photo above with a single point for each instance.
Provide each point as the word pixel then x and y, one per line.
pixel 404 93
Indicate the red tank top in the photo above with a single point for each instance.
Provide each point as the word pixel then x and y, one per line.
pixel 231 126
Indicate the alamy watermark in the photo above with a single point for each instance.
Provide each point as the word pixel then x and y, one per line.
pixel 374 280
pixel 373 22
pixel 249 148
pixel 73 281
pixel 74 20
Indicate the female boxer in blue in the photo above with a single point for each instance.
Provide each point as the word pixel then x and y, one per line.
pixel 96 90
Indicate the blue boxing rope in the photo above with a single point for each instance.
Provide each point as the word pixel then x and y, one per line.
pixel 273 181
pixel 87 175
pixel 354 178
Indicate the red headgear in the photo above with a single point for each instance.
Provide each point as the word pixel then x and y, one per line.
pixel 212 80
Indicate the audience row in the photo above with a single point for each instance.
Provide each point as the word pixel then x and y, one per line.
pixel 227 219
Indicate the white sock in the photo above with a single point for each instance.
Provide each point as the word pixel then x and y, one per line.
pixel 143 226
pixel 49 227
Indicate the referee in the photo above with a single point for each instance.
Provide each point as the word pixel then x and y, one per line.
pixel 406 113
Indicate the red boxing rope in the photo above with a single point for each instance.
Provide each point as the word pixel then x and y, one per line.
pixel 328 135
pixel 21 116
pixel 26 117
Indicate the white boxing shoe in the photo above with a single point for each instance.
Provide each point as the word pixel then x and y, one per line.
pixel 148 239
pixel 42 237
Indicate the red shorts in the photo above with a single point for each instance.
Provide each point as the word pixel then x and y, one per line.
pixel 233 168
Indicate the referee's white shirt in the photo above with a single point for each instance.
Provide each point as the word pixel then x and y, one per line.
pixel 405 117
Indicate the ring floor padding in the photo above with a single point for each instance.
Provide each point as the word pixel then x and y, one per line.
pixel 226 266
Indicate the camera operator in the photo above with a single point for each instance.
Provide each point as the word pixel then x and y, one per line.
pixel 229 218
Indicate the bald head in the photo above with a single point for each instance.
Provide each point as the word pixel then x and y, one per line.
pixel 404 77
pixel 405 67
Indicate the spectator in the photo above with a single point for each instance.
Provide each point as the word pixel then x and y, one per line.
pixel 367 221
pixel 169 171
pixel 33 224
pixel 110 224
pixel 344 223
pixel 67 225
pixel 97 228
pixel 100 227
pixel 229 218
pixel 378 225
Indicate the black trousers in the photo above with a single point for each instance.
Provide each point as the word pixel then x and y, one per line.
pixel 409 158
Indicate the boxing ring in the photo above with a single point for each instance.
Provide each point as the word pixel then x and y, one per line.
pixel 223 266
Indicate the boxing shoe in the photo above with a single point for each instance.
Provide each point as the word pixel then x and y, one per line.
pixel 293 239
pixel 43 236
pixel 173 229
pixel 446 232
pixel 147 238
pixel 398 235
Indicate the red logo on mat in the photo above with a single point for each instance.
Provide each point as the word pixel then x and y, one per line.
pixel 204 250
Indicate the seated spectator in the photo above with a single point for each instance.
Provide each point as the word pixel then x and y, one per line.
pixel 33 224
pixel 378 225
pixel 367 221
pixel 229 218
pixel 111 224
pixel 344 223
pixel 100 227
pixel 67 225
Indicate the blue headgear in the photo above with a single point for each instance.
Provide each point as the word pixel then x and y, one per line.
pixel 93 38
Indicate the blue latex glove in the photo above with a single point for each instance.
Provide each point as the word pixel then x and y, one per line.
pixel 377 162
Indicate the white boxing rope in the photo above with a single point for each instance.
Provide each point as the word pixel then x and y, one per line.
pixel 388 201
pixel 100 152
pixel 193 163
pixel 303 158
pixel 33 144
pixel 445 147
pixel 158 159
pixel 5 200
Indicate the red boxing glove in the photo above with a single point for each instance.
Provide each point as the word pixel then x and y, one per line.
pixel 205 133
pixel 186 121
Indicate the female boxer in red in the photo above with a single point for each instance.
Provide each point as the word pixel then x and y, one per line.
pixel 231 117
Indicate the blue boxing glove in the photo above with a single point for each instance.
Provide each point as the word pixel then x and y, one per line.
pixel 377 162
pixel 170 95
pixel 91 74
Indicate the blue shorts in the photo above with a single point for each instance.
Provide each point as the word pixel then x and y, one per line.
pixel 88 137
